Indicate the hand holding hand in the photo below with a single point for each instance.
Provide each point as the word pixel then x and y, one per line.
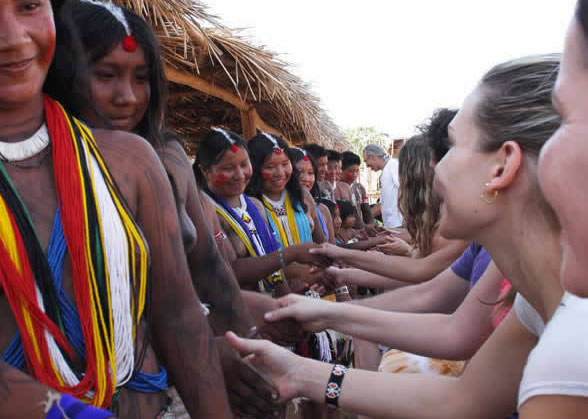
pixel 312 314
pixel 395 246
pixel 302 254
pixel 250 394
pixel 335 253
pixel 279 363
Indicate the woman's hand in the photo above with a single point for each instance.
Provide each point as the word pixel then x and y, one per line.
pixel 277 364
pixel 395 246
pixel 313 314
pixel 334 253
pixel 300 253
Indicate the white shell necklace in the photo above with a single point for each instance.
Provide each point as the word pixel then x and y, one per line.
pixel 25 149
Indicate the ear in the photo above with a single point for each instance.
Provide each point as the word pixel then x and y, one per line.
pixel 204 171
pixel 507 166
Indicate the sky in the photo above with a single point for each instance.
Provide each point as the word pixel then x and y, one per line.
pixel 390 63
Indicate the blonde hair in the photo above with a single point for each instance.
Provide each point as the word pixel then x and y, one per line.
pixel 417 200
pixel 517 105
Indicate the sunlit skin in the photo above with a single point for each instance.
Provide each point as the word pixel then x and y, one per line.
pixel 276 171
pixel 229 177
pixel 120 89
pixel 350 174
pixel 26 51
pixel 564 159
pixel 462 210
pixel 27 42
pixel 322 168
pixel 306 174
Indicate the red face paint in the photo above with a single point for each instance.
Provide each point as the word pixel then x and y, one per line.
pixel 266 175
pixel 220 179
pixel 46 59
pixel 306 158
pixel 278 151
pixel 234 148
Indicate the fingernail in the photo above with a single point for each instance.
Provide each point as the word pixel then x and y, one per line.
pixel 267 316
pixel 276 413
pixel 275 396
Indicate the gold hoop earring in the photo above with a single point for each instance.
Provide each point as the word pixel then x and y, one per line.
pixel 489 200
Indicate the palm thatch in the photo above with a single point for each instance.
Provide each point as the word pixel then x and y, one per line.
pixel 220 78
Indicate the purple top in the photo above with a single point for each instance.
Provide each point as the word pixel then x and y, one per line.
pixel 472 263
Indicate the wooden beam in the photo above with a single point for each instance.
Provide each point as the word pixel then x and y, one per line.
pixel 198 83
pixel 250 119
pixel 262 126
pixel 248 124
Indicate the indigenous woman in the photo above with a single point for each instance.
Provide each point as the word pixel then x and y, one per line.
pixel 224 171
pixel 490 191
pixel 127 90
pixel 87 249
pixel 290 209
pixel 307 174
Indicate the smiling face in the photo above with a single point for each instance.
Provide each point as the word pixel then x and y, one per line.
pixel 306 174
pixel 460 176
pixel 334 170
pixel 276 171
pixel 322 164
pixel 27 44
pixel 563 165
pixel 350 174
pixel 120 89
pixel 229 177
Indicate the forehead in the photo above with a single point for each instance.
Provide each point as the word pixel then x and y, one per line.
pixel 274 158
pixel 304 164
pixel 230 157
pixel 118 57
pixel 573 73
pixel 463 127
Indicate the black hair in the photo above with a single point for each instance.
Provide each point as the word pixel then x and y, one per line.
pixel 86 33
pixel 260 147
pixel 298 155
pixel 211 149
pixel 316 150
pixel 332 206
pixel 346 209
pixel 349 158
pixel 436 131
pixel 333 155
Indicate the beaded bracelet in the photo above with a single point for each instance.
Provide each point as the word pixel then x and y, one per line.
pixel 342 290
pixel 281 254
pixel 333 390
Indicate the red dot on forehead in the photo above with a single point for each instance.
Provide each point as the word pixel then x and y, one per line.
pixel 278 151
pixel 129 43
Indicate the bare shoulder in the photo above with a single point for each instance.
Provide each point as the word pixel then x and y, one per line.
pixel 256 202
pixel 307 197
pixel 172 153
pixel 122 146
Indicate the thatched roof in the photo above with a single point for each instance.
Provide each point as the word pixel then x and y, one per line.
pixel 211 66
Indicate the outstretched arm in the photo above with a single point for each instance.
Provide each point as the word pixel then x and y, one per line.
pixel 455 336
pixel 442 294
pixel 181 334
pixel 487 388
pixel 397 267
